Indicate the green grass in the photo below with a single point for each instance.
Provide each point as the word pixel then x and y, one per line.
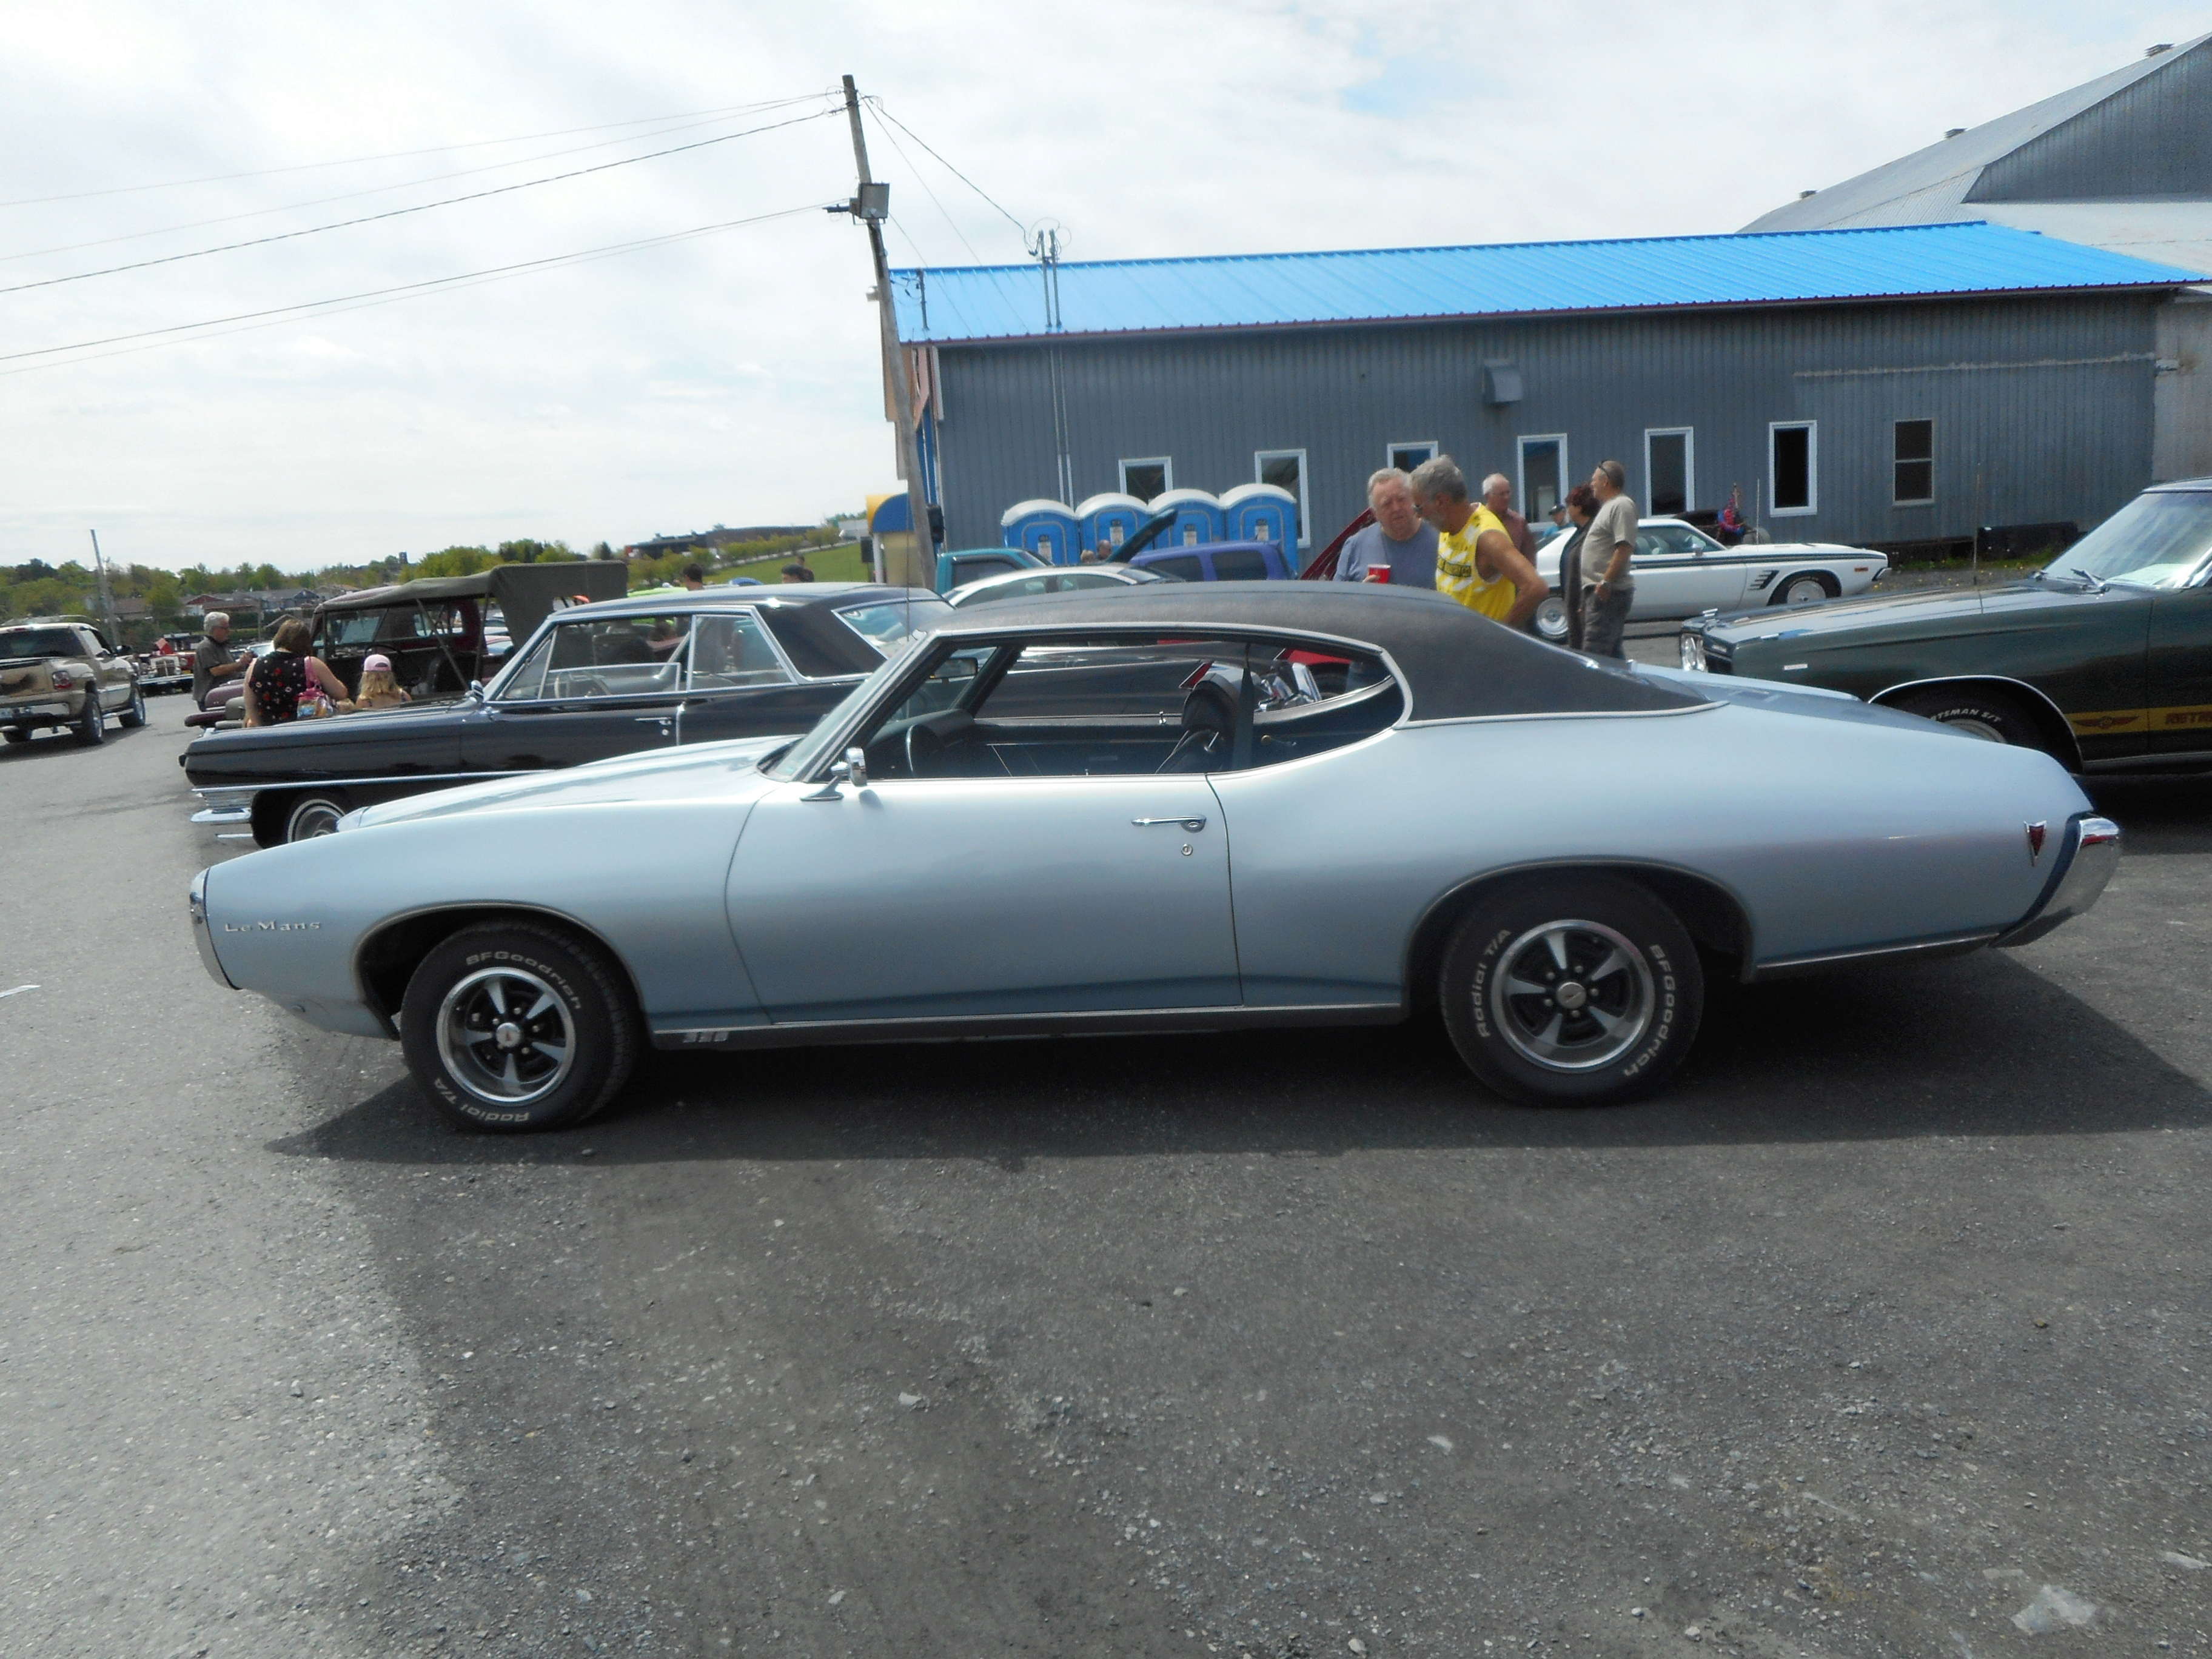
pixel 829 564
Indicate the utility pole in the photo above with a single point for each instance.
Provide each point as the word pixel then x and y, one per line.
pixel 106 599
pixel 871 207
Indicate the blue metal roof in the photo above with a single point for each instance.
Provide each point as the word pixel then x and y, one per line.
pixel 1125 296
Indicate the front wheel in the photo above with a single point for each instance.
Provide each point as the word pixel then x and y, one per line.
pixel 1551 620
pixel 1571 991
pixel 14 734
pixel 92 720
pixel 1808 588
pixel 511 1028
pixel 134 712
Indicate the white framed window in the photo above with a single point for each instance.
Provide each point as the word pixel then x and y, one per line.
pixel 1793 467
pixel 1670 471
pixel 1913 464
pixel 1286 469
pixel 1542 459
pixel 1147 476
pixel 1407 456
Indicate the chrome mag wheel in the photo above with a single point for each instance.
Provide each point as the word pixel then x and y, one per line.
pixel 1572 996
pixel 505 1036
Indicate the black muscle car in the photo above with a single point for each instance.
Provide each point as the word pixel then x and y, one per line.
pixel 2102 659
pixel 595 680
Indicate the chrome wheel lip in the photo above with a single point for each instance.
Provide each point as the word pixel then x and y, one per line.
pixel 1618 998
pixel 469 1019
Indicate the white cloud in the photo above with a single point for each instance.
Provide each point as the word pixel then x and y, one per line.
pixel 734 378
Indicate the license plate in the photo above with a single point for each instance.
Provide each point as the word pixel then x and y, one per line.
pixel 36 708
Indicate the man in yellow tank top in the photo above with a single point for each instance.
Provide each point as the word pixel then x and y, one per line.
pixel 1477 563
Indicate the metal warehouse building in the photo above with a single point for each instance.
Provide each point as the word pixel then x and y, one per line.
pixel 1884 386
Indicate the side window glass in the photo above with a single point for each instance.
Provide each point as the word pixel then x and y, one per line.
pixel 1240 564
pixel 623 657
pixel 731 651
pixel 527 682
pixel 1183 567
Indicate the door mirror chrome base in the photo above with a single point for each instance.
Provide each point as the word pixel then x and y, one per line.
pixel 852 770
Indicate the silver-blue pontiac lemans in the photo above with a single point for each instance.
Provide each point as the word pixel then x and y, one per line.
pixel 1165 808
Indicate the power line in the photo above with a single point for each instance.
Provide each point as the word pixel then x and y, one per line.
pixel 422 207
pixel 356 195
pixel 926 191
pixel 428 284
pixel 946 165
pixel 402 155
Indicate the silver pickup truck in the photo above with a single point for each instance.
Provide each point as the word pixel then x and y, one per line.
pixel 63 672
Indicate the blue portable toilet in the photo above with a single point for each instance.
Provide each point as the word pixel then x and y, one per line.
pixel 1197 517
pixel 1260 512
pixel 1047 529
pixel 1109 520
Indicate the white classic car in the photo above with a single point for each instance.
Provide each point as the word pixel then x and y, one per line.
pixel 1680 571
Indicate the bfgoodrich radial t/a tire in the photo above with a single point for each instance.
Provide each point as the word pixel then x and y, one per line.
pixel 511 1028
pixel 1573 990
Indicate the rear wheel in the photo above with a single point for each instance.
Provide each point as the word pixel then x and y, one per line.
pixel 1551 620
pixel 1573 991
pixel 92 720
pixel 14 734
pixel 511 1028
pixel 134 712
pixel 1810 587
pixel 1980 711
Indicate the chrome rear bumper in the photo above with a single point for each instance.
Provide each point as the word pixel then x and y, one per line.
pixel 2093 853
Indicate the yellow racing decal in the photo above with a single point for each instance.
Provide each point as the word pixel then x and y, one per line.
pixel 2105 721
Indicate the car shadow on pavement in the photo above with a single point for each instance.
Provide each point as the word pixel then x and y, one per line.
pixel 1980 1046
pixel 2158 816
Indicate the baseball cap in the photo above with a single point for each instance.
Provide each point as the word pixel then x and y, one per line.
pixel 378 663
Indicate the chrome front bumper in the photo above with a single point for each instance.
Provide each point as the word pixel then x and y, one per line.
pixel 201 935
pixel 2093 853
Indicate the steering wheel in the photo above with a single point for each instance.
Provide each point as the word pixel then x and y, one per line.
pixel 923 743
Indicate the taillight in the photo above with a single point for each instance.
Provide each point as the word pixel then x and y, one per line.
pixel 62 679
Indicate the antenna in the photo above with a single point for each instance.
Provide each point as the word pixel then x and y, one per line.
pixel 1043 241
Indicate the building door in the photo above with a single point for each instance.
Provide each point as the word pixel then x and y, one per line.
pixel 1667 470
pixel 1543 475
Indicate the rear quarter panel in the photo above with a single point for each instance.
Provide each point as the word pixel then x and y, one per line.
pixel 1836 828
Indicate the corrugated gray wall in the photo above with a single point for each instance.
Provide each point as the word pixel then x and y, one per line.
pixel 2147 139
pixel 2068 439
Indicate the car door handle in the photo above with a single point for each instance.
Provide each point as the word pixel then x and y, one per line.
pixel 1192 824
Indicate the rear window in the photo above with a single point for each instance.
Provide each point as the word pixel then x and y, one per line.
pixel 40 642
pixel 1241 564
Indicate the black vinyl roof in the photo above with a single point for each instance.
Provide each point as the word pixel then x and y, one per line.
pixel 1459 664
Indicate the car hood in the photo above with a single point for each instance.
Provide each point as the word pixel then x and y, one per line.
pixel 724 771
pixel 1910 616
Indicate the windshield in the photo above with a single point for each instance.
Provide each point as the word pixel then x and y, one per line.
pixel 801 757
pixel 1675 538
pixel 890 622
pixel 39 643
pixel 2162 540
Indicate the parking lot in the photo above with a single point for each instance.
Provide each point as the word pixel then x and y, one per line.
pixel 1886 1330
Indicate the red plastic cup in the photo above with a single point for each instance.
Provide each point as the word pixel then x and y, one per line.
pixel 1377 573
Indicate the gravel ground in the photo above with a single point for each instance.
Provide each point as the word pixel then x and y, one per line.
pixel 1886 1331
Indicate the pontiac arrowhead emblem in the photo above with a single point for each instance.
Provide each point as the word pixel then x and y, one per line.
pixel 2035 833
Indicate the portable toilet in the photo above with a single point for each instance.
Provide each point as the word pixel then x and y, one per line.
pixel 1197 517
pixel 1047 529
pixel 1260 512
pixel 1109 520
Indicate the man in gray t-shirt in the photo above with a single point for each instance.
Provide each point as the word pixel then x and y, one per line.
pixel 213 661
pixel 1608 586
pixel 1398 537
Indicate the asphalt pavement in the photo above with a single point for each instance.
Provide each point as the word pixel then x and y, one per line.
pixel 1886 1331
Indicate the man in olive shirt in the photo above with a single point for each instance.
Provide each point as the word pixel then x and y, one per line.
pixel 212 662
pixel 1608 587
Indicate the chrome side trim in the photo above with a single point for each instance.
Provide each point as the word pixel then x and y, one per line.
pixel 224 815
pixel 196 902
pixel 1952 944
pixel 1112 1022
pixel 1572 715
pixel 2093 853
pixel 210 790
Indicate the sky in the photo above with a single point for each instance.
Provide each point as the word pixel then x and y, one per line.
pixel 733 376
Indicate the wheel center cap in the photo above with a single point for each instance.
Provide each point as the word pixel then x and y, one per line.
pixel 508 1035
pixel 1570 995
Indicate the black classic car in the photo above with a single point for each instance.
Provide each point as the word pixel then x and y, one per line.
pixel 2102 659
pixel 596 680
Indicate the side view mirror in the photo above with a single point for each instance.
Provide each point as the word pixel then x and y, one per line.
pixel 852 770
pixel 476 690
pixel 1303 677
